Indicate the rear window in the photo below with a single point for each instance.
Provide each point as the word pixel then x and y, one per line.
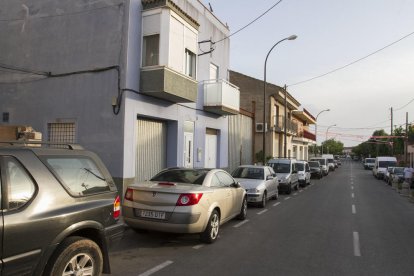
pixel 182 176
pixel 78 174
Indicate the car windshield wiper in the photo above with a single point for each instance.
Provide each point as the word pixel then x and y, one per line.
pixel 94 174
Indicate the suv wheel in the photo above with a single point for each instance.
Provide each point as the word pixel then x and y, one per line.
pixel 76 256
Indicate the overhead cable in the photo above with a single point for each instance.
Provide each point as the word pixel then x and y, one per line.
pixel 351 63
pixel 254 20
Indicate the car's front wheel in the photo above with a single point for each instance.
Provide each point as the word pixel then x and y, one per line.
pixel 211 232
pixel 263 202
pixel 243 210
pixel 76 256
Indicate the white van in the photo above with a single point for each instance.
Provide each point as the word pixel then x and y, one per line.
pixel 286 172
pixel 324 164
pixel 330 159
pixel 381 165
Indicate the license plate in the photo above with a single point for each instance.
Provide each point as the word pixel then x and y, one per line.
pixel 152 214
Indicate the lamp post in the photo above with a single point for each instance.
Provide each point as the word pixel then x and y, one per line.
pixel 316 128
pixel 326 136
pixel 292 37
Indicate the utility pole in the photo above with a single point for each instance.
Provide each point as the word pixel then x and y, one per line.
pixel 285 132
pixel 392 139
pixel 406 139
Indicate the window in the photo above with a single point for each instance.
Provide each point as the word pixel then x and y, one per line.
pixel 225 179
pixel 20 186
pixel 61 132
pixel 190 63
pixel 214 72
pixel 151 50
pixel 78 174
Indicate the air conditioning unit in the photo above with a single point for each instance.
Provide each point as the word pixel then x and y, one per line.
pixel 259 127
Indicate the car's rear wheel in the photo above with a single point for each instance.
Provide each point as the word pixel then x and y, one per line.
pixel 297 186
pixel 76 256
pixel 243 210
pixel 211 232
pixel 263 202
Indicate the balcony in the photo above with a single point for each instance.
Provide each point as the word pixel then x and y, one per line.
pixel 221 97
pixel 164 83
pixel 305 136
pixel 279 123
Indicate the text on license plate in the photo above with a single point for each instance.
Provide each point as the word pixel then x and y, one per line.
pixel 152 214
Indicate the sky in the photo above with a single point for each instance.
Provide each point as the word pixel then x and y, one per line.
pixel 331 34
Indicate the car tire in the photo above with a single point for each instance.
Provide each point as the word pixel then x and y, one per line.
pixel 243 211
pixel 297 186
pixel 263 202
pixel 211 232
pixel 289 189
pixel 76 251
pixel 276 196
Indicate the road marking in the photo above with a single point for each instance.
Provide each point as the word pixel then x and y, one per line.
pixel 353 209
pixel 198 246
pixel 295 194
pixel 357 250
pixel 264 211
pixel 352 187
pixel 155 269
pixel 287 198
pixel 300 191
pixel 277 203
pixel 241 223
pixel 352 195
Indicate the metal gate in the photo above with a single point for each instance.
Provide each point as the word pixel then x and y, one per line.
pixel 240 141
pixel 151 148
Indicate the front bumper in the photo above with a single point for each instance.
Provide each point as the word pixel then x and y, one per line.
pixel 254 197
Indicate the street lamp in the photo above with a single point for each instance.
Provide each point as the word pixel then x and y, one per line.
pixel 292 37
pixel 316 128
pixel 326 136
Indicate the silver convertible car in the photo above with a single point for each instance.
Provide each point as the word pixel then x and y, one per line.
pixel 185 201
pixel 260 182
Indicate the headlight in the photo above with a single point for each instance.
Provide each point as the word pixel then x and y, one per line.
pixel 253 191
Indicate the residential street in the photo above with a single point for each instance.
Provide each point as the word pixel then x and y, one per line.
pixel 347 223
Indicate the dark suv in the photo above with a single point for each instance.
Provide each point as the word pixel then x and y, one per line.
pixel 59 211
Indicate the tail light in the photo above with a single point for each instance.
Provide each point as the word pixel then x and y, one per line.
pixel 128 194
pixel 117 208
pixel 188 199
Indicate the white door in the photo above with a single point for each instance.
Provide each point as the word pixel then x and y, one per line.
pixel 210 151
pixel 188 149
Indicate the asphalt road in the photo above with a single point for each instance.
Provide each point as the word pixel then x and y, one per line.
pixel 347 223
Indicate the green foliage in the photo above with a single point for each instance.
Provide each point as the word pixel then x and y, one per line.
pixel 259 156
pixel 333 146
pixel 380 146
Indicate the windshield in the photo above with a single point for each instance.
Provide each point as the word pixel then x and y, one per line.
pixel 314 164
pixel 182 176
pixel 321 161
pixel 386 164
pixel 370 160
pixel 300 166
pixel 399 170
pixel 330 160
pixel 249 173
pixel 280 167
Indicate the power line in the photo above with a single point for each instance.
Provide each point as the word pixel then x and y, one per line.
pixel 397 109
pixel 257 18
pixel 353 62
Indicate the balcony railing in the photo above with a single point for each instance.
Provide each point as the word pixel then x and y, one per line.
pixel 309 135
pixel 221 97
pixel 279 125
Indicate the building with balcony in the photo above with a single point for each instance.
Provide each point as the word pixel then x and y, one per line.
pixel 128 79
pixel 282 118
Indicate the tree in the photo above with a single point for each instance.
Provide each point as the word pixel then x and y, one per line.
pixel 333 147
pixel 375 146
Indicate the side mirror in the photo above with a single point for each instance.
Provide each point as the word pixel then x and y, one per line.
pixel 235 185
pixel 295 171
pixel 269 177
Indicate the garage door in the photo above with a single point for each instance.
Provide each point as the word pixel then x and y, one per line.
pixel 151 148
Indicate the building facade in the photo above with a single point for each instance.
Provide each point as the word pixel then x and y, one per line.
pixel 285 119
pixel 138 82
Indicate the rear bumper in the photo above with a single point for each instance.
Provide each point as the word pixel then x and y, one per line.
pixel 174 223
pixel 114 233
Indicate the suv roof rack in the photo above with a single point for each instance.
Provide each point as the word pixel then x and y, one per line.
pixel 24 143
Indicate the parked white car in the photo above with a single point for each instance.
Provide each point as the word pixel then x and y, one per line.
pixel 286 172
pixel 260 182
pixel 304 174
pixel 381 165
